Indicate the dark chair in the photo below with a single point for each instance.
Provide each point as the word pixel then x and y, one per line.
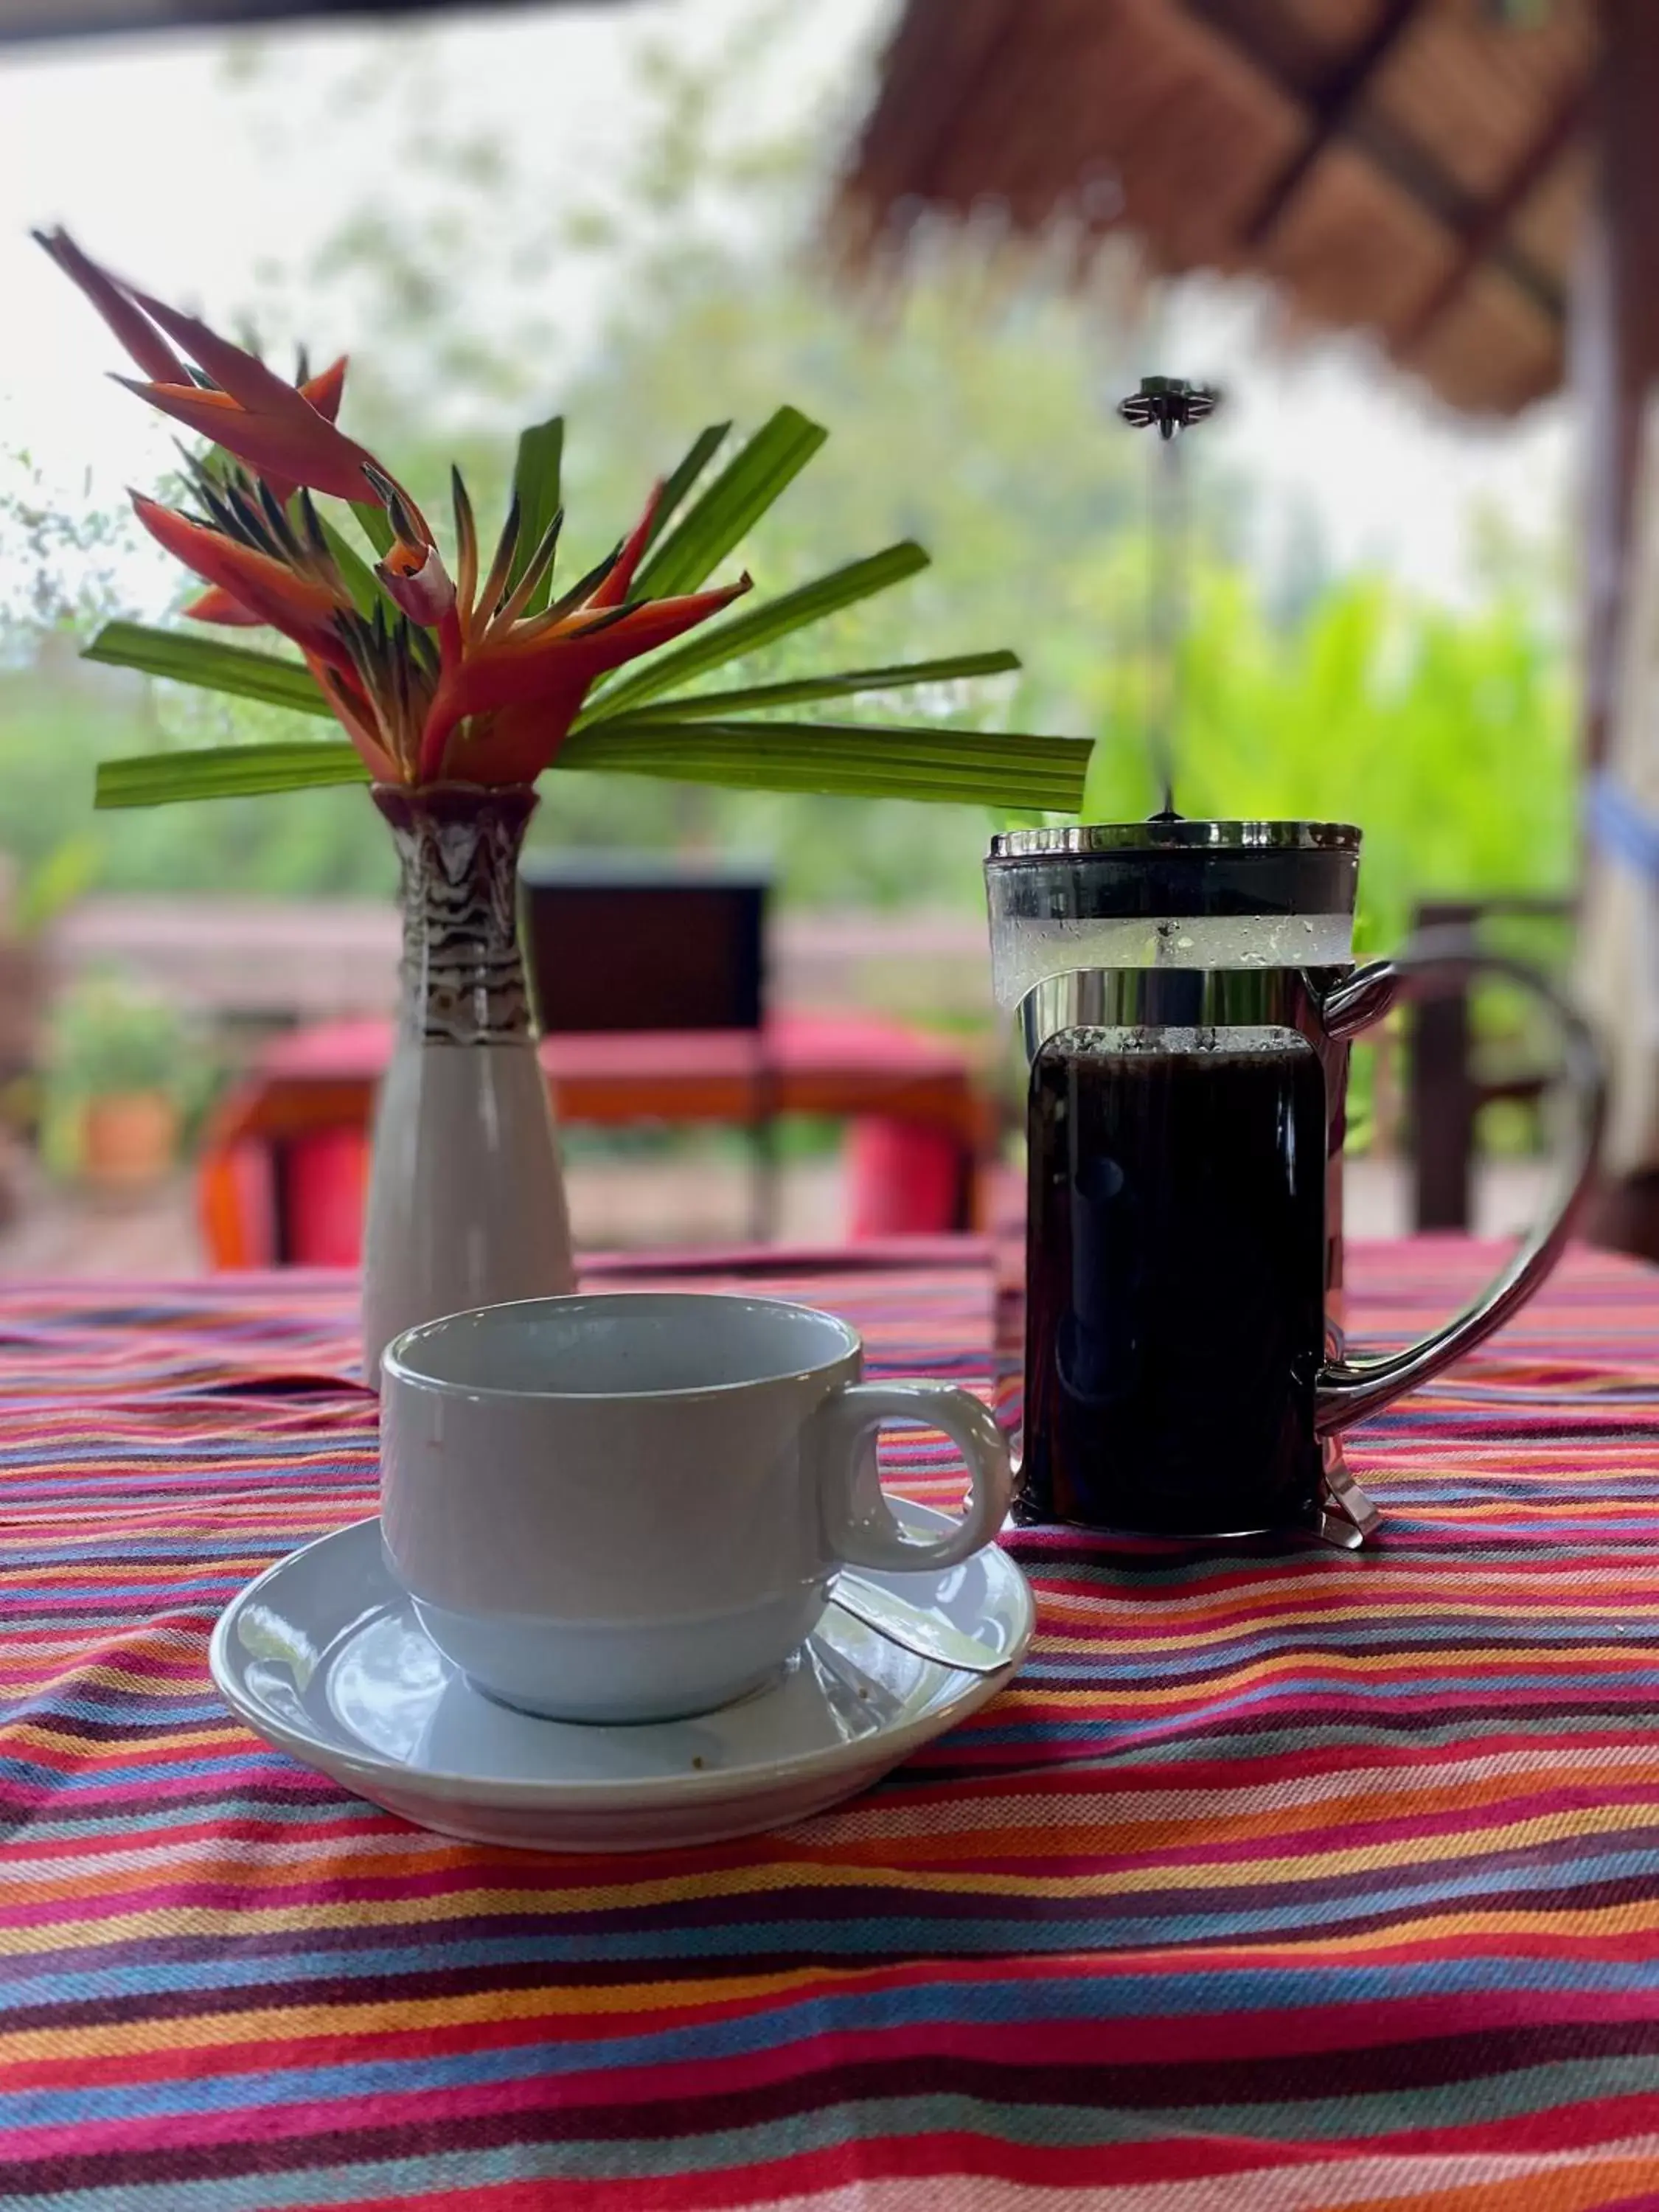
pixel 1446 1091
pixel 640 942
pixel 618 941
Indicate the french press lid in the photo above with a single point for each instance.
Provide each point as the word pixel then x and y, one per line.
pixel 1103 870
pixel 1169 893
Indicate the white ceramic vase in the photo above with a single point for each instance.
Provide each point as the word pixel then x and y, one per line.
pixel 466 1203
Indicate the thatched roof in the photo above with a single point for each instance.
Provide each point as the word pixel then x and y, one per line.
pixel 73 19
pixel 1415 167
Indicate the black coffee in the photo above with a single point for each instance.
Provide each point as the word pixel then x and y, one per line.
pixel 1174 1268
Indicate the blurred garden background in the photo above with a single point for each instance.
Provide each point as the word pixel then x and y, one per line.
pixel 623 214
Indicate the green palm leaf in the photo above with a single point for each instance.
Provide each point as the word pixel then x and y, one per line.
pixel 535 487
pixel 215 667
pixel 703 448
pixel 751 481
pixel 853 760
pixel 754 698
pixel 723 642
pixel 276 682
pixel 226 772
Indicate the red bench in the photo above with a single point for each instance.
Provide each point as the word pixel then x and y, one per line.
pixel 282 1171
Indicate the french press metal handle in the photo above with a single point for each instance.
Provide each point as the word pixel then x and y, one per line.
pixel 1348 1389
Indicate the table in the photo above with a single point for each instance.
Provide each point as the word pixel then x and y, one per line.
pixel 1296 1879
pixel 927 1118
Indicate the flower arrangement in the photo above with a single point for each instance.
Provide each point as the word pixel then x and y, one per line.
pixel 459 669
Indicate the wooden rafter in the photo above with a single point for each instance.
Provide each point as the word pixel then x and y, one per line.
pixel 1255 33
pixel 1485 233
pixel 1455 209
pixel 1332 106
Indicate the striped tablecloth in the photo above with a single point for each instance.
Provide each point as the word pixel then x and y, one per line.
pixel 1274 1881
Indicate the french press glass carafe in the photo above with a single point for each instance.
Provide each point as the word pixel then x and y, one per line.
pixel 1186 996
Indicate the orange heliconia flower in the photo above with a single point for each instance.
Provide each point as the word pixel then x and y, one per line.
pixel 442 677
pixel 303 607
pixel 285 433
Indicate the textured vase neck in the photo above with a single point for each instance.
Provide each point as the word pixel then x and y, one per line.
pixel 463 972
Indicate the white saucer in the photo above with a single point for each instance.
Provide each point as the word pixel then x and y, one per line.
pixel 323 1657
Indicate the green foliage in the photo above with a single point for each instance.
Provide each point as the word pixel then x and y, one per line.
pixel 57 724
pixel 63 875
pixel 60 562
pixel 108 1037
pixel 1448 737
pixel 973 414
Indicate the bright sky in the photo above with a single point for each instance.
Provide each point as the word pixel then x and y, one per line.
pixel 159 166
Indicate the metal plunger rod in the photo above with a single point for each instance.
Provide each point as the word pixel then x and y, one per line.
pixel 1166 614
pixel 1173 406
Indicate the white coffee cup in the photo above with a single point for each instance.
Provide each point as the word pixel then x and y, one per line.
pixel 631 1506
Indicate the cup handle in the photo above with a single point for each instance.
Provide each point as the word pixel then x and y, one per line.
pixel 860 1528
pixel 1349 1389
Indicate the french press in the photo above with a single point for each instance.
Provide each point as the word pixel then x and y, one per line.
pixel 1186 996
